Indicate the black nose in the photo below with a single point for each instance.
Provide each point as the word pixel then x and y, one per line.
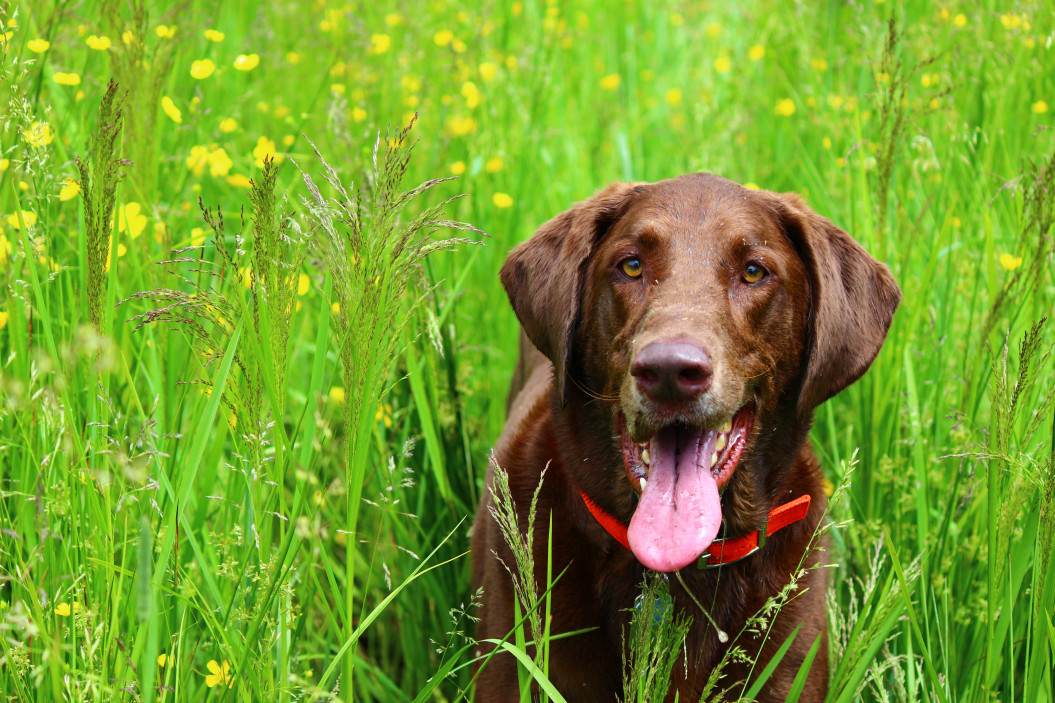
pixel 672 371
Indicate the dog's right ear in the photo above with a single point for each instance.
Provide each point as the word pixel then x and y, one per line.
pixel 544 276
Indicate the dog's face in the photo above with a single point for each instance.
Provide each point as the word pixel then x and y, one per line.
pixel 699 318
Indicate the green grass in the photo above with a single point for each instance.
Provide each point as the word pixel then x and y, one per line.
pixel 190 487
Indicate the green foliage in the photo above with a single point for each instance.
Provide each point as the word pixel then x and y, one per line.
pixel 254 471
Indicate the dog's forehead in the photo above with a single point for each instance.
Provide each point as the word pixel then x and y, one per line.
pixel 700 207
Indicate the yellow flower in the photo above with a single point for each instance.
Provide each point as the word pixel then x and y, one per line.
pixel 67 78
pixel 198 159
pixel 358 114
pixel 4 314
pixel 494 164
pixel 98 43
pixel 819 65
pixel 29 218
pixel 4 164
pixel 265 147
pixel 287 141
pixel 162 659
pixel 502 200
pixel 1010 262
pixel 38 46
pixel 338 88
pixel 960 20
pixel 303 284
pixel 247 62
pixel 214 36
pixel 443 37
pixel 471 94
pixel 611 81
pixel 293 57
pixel 38 134
pixel 827 143
pixel 63 610
pixel 171 110
pixel 221 674
pixel 751 186
pixel 1040 107
pixel 785 107
pixel 461 126
pixel 239 181
pixel 69 190
pixel 458 168
pixel 673 97
pixel 488 71
pixel 384 414
pixel 713 30
pixel 757 52
pixel 130 218
pixel 5 249
pixel 380 43
pixel 202 69
pixel 197 236
pixel 219 163
pixel 165 31
pixel 128 37
pixel 337 395
pixel 393 19
pixel 722 64
pixel 228 125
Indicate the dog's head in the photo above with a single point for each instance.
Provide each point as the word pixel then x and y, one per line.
pixel 702 320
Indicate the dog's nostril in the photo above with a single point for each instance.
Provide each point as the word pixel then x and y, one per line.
pixel 672 371
pixel 692 375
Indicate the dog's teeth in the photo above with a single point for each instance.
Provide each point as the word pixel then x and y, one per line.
pixel 714 459
pixel 719 444
pixel 727 426
pixel 646 456
pixel 642 482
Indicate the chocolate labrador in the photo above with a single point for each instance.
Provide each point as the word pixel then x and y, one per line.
pixel 681 335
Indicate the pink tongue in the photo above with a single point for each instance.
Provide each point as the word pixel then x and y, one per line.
pixel 679 513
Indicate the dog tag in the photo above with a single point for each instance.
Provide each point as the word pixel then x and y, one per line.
pixel 660 606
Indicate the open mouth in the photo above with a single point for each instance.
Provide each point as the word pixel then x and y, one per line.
pixel 678 473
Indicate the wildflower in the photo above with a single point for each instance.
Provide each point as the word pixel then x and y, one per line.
pixel 337 395
pixel 303 284
pixel 63 610
pixel 202 69
pixel 1010 262
pixel 239 181
pixel 247 62
pixel 128 37
pixel 458 168
pixel 827 143
pixel 443 37
pixel 4 164
pixel 673 97
pixel 960 20
pixel 221 674
pixel 214 36
pixel 4 314
pixel 219 163
pixel 757 52
pixel 228 125
pixel 494 165
pixel 293 57
pixel 722 64
pixel 97 43
pixel 162 659
pixel 67 78
pixel 488 71
pixel 461 126
pixel 785 107
pixel 611 81
pixel 384 414
pixel 28 218
pixel 198 159
pixel 338 88
pixel 5 249
pixel 502 200
pixel 459 46
pixel 131 218
pixel 69 190
pixel 713 30
pixel 38 134
pixel 819 65
pixel 38 46
pixel 165 31
pixel 471 94
pixel 358 114
pixel 380 43
pixel 171 110
pixel 287 141
pixel 1040 107
pixel 751 186
pixel 265 147
pixel 393 19
pixel 197 236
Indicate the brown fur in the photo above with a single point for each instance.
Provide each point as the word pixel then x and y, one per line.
pixel 807 331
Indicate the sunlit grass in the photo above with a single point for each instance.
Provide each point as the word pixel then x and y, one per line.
pixel 219 504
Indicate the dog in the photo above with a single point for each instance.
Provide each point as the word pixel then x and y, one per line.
pixel 679 335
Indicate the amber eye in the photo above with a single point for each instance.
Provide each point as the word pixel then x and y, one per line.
pixel 631 267
pixel 753 273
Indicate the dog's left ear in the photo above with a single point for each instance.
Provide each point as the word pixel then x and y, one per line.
pixel 853 299
pixel 544 275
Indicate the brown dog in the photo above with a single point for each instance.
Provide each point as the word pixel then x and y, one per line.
pixel 688 329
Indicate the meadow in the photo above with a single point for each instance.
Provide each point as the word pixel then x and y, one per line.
pixel 250 372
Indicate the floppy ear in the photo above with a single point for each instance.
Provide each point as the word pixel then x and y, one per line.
pixel 853 299
pixel 543 277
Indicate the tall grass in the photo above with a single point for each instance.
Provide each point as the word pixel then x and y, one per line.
pixel 262 492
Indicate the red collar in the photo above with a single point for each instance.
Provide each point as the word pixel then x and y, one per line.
pixel 721 551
